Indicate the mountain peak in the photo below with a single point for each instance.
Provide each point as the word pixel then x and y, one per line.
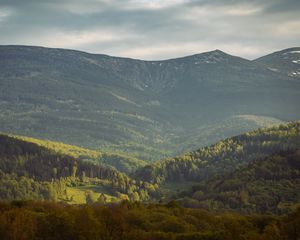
pixel 286 62
pixel 215 56
pixel 291 50
pixel 214 52
pixel 218 51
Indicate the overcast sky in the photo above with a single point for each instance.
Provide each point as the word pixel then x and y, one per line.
pixel 153 29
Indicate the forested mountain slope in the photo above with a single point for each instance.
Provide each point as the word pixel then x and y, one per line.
pixel 149 109
pixel 29 171
pixel 121 162
pixel 266 185
pixel 254 172
pixel 224 156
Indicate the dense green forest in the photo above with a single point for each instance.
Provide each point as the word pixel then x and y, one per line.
pixel 254 172
pixel 130 221
pixel 121 162
pixel 29 171
pixel 224 156
pixel 266 185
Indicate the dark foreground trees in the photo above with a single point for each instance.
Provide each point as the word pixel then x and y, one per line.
pixel 43 220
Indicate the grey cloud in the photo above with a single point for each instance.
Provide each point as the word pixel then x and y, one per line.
pixel 194 25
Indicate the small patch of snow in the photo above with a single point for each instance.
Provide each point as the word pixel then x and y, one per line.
pixel 273 69
pixel 210 62
pixel 293 74
pixel 291 52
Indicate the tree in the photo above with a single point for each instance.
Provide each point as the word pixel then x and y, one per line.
pixel 102 199
pixel 89 197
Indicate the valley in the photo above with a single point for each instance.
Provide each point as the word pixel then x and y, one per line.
pixel 234 174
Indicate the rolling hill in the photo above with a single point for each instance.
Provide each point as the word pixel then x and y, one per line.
pixel 269 185
pixel 254 172
pixel 29 171
pixel 121 162
pixel 223 157
pixel 146 109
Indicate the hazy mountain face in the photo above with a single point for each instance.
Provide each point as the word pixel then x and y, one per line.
pixel 286 62
pixel 148 108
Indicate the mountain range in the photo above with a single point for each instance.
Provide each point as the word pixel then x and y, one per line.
pixel 146 109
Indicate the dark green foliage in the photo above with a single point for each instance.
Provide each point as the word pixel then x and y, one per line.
pixel 29 171
pixel 254 172
pixel 127 221
pixel 28 159
pixel 122 163
pixel 224 156
pixel 265 185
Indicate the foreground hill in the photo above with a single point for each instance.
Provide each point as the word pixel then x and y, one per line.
pixel 149 109
pixel 269 185
pixel 29 171
pixel 121 162
pixel 257 171
pixel 224 156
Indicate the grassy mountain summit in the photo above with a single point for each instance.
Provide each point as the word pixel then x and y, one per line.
pixel 147 109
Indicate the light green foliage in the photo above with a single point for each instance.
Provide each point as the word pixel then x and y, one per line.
pixel 224 156
pixel 120 161
pixel 31 171
pixel 271 184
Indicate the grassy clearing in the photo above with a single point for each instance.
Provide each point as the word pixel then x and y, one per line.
pixel 77 195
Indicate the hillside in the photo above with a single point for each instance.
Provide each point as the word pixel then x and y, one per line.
pixel 32 172
pixel 224 156
pixel 146 109
pixel 121 162
pixel 285 62
pixel 266 185
pixel 256 171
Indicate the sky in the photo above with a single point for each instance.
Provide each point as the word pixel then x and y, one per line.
pixel 153 29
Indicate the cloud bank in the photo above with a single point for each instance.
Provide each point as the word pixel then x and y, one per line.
pixel 153 29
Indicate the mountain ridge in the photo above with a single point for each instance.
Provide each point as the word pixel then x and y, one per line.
pixel 144 60
pixel 113 56
pixel 138 107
